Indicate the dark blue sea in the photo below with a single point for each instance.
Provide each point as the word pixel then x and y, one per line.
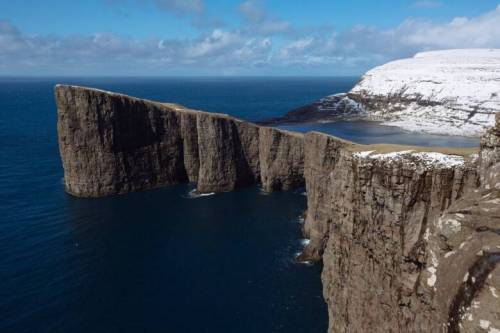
pixel 161 260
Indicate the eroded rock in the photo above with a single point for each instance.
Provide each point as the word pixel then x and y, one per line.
pixel 410 239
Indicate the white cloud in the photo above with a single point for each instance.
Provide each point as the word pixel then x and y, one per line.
pixel 110 53
pixel 365 46
pixel 241 51
pixel 218 41
pixel 297 47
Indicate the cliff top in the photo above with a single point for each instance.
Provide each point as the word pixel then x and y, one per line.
pixel 393 148
pixel 355 147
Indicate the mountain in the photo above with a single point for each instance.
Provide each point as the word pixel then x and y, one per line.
pixel 451 92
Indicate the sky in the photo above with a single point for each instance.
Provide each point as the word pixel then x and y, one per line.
pixel 233 37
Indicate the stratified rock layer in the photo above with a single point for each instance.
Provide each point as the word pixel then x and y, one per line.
pixel 410 239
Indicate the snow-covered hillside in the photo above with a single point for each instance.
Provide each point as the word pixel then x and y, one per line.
pixel 446 92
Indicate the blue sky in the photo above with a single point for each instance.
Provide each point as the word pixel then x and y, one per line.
pixel 233 37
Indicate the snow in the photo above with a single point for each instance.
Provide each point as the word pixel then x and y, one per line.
pixel 431 280
pixel 484 324
pixel 427 159
pixel 339 104
pixel 449 254
pixel 493 291
pixel 364 154
pixel 443 92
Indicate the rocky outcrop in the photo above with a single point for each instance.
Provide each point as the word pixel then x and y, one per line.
pixel 112 144
pixel 330 108
pixel 409 239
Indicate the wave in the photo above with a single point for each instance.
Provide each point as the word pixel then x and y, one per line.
pixel 193 194
pixel 302 262
pixel 305 241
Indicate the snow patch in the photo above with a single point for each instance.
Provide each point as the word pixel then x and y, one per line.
pixel 493 291
pixel 453 224
pixel 431 280
pixel 448 254
pixel 426 159
pixel 363 154
pixel 484 324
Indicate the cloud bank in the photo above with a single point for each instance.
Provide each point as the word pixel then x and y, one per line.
pixel 251 49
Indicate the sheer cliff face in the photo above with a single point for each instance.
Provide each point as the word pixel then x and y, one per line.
pixel 410 240
pixel 112 144
pixel 369 213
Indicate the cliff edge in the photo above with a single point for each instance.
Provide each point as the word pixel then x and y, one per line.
pixel 409 236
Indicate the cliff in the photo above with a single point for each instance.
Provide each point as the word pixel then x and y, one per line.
pixel 451 92
pixel 409 237
pixel 410 240
pixel 112 144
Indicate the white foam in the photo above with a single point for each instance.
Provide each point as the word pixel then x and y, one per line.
pixel 194 194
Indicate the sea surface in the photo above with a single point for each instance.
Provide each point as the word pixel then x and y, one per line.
pixel 161 260
pixel 367 132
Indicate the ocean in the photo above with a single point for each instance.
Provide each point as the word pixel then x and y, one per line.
pixel 161 260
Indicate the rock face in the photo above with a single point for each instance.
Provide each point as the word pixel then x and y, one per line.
pixel 410 239
pixel 371 220
pixel 330 108
pixel 112 144
pixel 452 92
